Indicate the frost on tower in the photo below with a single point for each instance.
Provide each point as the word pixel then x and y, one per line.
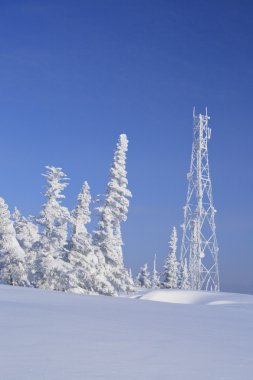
pixel 199 244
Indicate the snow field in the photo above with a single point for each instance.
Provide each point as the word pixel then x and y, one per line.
pixel 57 336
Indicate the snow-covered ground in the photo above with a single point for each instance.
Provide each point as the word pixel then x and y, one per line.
pixel 57 336
pixel 198 298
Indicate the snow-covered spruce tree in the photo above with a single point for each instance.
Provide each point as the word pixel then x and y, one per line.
pixel 88 274
pixel 183 278
pixel 170 273
pixel 108 239
pixel 12 256
pixel 155 278
pixel 143 277
pixel 28 236
pixel 52 271
pixel 26 231
pixel 54 217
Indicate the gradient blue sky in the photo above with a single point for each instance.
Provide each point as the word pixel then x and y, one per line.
pixel 75 74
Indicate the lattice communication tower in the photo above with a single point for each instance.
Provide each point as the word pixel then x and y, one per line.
pixel 199 243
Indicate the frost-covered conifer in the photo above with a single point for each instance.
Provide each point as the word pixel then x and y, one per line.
pixel 28 237
pixel 81 213
pixel 108 239
pixel 183 280
pixel 89 274
pixel 155 278
pixel 12 256
pixel 26 231
pixel 54 217
pixel 170 274
pixel 143 277
pixel 52 271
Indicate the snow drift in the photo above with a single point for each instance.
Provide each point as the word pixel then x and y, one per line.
pixel 195 297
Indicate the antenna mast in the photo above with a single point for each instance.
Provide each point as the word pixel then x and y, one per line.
pixel 199 243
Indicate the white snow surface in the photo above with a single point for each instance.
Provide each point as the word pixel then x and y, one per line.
pixel 197 298
pixel 57 336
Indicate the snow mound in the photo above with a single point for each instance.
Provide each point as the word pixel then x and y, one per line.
pixel 197 297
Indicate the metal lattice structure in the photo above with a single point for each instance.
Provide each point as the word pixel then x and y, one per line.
pixel 199 243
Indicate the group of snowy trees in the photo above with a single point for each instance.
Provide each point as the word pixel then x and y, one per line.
pixel 175 275
pixel 55 250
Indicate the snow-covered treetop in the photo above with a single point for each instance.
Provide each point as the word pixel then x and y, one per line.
pixel 118 168
pixel 81 213
pixel 5 225
pixel 57 181
pixel 16 214
pixel 54 217
pixel 173 241
pixel 117 192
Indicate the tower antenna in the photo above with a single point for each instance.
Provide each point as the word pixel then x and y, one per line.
pixel 199 243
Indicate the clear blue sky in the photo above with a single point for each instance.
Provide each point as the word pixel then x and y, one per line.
pixel 75 74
